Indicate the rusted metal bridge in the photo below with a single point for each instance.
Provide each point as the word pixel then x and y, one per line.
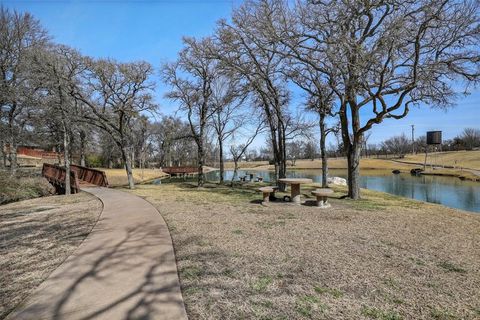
pixel 180 171
pixel 79 176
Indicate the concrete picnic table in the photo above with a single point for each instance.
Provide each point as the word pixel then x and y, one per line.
pixel 295 187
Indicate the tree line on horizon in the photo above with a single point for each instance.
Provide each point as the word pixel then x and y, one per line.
pixel 357 63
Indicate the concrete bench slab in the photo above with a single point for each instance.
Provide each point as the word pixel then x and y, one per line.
pixel 322 197
pixel 268 192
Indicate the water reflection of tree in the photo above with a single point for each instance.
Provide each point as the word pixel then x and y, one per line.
pixel 431 186
pixel 470 199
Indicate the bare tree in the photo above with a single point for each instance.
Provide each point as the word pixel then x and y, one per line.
pixel 190 78
pixel 238 151
pixel 294 151
pixel 116 95
pixel 20 37
pixel 173 141
pixel 227 98
pixel 471 138
pixel 319 100
pixel 255 61
pixel 398 145
pixel 384 56
pixel 54 70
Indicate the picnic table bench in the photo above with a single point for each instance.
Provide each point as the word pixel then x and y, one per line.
pixel 268 193
pixel 322 197
pixel 295 187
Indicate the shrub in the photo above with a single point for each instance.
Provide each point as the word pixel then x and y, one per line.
pixel 21 187
pixel 94 161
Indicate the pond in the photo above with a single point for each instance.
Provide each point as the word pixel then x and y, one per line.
pixel 448 191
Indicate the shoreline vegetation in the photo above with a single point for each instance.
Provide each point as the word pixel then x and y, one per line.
pixel 357 260
pixel 464 165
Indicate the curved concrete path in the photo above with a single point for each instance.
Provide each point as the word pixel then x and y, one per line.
pixel 124 269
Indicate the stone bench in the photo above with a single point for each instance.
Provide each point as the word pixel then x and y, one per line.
pixel 322 196
pixel 268 192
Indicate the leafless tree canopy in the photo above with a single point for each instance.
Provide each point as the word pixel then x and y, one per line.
pixel 357 63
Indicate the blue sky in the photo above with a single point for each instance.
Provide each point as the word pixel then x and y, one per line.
pixel 152 30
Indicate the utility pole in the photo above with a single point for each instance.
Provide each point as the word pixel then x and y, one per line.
pixel 413 138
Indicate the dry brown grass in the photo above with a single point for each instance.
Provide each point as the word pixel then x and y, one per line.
pixel 118 177
pixel 35 237
pixel 465 159
pixel 340 163
pixel 383 257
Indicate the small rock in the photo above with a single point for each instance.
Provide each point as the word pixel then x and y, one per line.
pixel 337 181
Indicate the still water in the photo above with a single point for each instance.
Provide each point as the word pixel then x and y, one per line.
pixel 448 191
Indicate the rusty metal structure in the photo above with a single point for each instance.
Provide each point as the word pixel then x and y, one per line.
pixel 56 176
pixel 78 176
pixel 91 176
pixel 180 171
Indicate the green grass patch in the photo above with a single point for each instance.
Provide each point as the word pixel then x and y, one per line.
pixel 306 305
pixel 261 284
pixel 331 291
pixel 230 273
pixel 449 266
pixel 442 314
pixel 191 291
pixel 191 272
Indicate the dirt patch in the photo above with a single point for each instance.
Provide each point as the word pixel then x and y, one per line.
pixel 38 235
pixel 383 257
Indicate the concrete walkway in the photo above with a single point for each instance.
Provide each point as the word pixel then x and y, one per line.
pixel 124 269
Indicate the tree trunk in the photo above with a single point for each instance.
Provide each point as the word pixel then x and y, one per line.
pixel 201 160
pixel 281 159
pixel 132 159
pixel 13 155
pixel 353 159
pixel 12 152
pixel 59 154
pixel 235 170
pixel 82 148
pixel 222 164
pixel 3 161
pixel 66 159
pixel 128 167
pixel 323 150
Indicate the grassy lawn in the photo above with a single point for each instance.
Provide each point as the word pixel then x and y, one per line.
pixel 340 163
pixel 383 257
pixel 118 177
pixel 35 237
pixel 466 159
